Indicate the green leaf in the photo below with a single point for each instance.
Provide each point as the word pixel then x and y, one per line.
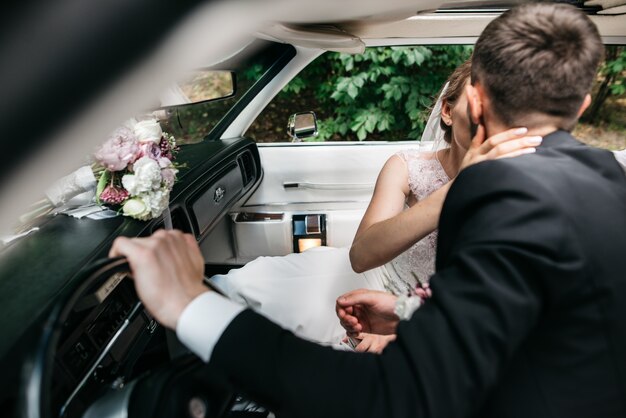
pixel 359 80
pixel 295 86
pixel 618 89
pixel 347 60
pixel 342 128
pixel 370 123
pixel 353 90
pixel 396 55
pixel 343 83
pixel 409 58
pixel 103 182
pixel 419 57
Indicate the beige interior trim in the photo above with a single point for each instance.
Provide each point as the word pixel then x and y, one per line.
pixel 326 37
pixel 452 26
pixel 424 26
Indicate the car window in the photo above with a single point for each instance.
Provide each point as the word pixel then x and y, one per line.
pixel 382 94
pixel 386 94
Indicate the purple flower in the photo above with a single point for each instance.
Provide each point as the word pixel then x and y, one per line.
pixel 119 151
pixel 150 150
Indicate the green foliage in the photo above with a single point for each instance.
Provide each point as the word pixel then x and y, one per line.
pixel 383 94
pixel 617 68
pixel 611 82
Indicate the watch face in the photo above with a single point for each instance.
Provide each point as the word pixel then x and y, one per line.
pixel 406 305
pixel 400 308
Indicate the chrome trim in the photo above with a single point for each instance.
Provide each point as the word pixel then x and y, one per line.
pixel 491 10
pixel 113 404
pixel 449 40
pixel 167 219
pixel 304 203
pixel 338 144
pixel 106 350
pixel 327 186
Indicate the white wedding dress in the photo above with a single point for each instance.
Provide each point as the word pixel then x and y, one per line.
pixel 298 291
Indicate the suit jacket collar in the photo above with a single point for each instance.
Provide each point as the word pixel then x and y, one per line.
pixel 559 138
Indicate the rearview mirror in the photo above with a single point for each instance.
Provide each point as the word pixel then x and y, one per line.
pixel 302 125
pixel 200 86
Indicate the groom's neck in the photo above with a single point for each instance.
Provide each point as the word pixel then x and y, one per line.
pixel 537 124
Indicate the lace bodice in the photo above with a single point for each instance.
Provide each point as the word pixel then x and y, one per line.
pixel 417 263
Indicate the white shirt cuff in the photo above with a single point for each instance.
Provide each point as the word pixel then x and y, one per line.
pixel 203 321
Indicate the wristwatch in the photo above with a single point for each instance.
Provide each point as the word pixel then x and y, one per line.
pixel 406 305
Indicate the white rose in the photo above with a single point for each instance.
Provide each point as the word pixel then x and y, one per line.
pixel 157 201
pixel 136 208
pixel 147 177
pixel 129 182
pixel 148 130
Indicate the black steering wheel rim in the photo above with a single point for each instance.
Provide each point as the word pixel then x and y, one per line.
pixel 35 395
pixel 185 371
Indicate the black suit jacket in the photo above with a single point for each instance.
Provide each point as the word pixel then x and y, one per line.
pixel 527 318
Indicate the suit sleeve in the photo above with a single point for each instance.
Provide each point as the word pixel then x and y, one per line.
pixel 497 243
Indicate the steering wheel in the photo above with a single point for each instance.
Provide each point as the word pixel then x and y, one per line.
pixel 181 387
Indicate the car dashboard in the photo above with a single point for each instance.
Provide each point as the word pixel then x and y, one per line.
pixel 73 327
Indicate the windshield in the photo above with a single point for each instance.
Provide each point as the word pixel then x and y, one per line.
pixel 195 122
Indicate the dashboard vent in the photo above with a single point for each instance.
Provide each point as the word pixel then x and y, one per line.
pixel 247 166
pixel 179 221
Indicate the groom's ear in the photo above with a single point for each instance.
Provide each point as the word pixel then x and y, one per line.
pixel 474 102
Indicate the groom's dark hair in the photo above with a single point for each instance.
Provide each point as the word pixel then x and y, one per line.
pixel 538 59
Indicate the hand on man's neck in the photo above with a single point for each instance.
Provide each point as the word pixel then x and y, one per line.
pixel 540 130
pixel 538 124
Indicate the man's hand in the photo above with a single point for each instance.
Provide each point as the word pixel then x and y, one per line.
pixel 369 311
pixel 168 270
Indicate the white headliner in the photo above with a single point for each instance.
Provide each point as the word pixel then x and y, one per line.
pixel 459 25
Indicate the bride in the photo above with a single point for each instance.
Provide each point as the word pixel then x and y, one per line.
pixel 395 244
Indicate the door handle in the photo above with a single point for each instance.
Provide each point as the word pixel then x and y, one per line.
pixel 328 186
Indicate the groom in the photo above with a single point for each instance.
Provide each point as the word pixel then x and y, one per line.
pixel 528 314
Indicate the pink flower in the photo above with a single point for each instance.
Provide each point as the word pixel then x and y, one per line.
pixel 114 195
pixel 164 162
pixel 169 176
pixel 119 151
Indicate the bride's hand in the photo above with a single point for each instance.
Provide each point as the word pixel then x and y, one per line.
pixel 372 343
pixel 507 144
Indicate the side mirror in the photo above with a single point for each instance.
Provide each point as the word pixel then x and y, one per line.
pixel 302 125
pixel 200 86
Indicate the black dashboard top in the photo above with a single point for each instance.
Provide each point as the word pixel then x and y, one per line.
pixel 36 269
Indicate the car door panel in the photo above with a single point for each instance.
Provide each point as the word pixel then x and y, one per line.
pixel 336 180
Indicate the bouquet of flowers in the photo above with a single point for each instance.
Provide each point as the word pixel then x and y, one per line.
pixel 136 169
pixel 133 172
